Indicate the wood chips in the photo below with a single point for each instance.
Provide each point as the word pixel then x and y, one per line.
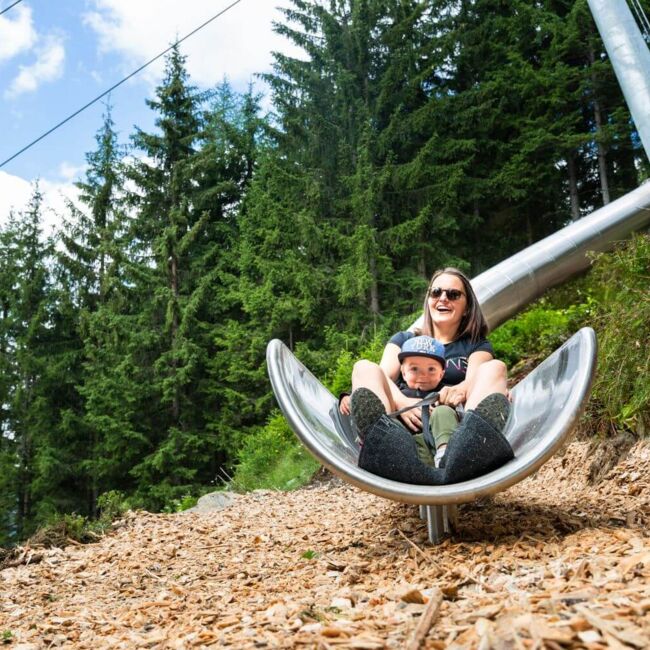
pixel 552 563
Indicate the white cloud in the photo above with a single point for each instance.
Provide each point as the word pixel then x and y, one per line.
pixel 48 66
pixel 17 35
pixel 69 172
pixel 237 44
pixel 15 193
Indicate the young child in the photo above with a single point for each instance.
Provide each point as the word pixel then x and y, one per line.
pixel 422 366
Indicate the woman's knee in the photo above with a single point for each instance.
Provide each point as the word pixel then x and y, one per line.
pixel 364 369
pixel 494 369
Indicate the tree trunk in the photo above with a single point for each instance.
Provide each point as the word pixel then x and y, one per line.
pixel 602 150
pixel 374 290
pixel 176 407
pixel 23 487
pixel 529 230
pixel 422 267
pixel 573 186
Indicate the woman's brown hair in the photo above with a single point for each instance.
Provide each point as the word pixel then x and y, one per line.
pixel 473 323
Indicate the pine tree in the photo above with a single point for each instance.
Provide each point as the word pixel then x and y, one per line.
pixel 187 203
pixel 96 310
pixel 338 125
pixel 29 399
pixel 234 136
pixel 9 496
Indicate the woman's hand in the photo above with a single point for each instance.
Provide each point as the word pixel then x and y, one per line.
pixel 344 405
pixel 453 395
pixel 413 418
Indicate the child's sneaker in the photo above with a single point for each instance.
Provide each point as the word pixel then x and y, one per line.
pixel 366 409
pixel 439 458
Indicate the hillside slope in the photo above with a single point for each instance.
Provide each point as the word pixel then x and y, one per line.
pixel 553 562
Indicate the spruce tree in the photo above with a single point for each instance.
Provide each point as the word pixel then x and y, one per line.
pixel 337 123
pixel 9 496
pixel 232 376
pixel 29 399
pixel 164 229
pixel 198 165
pixel 96 309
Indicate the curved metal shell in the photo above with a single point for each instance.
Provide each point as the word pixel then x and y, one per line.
pixel 546 407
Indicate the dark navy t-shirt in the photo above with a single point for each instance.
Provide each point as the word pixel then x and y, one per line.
pixel 456 355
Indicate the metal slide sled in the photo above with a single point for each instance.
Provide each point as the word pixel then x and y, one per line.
pixel 546 404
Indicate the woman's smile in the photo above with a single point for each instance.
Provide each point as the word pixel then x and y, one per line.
pixel 446 312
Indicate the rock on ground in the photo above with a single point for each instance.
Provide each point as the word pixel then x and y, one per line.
pixel 213 501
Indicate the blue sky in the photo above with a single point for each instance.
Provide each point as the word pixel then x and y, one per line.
pixel 56 56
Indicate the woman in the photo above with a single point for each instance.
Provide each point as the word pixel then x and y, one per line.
pixel 453 316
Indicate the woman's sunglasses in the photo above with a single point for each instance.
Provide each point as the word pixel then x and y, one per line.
pixel 452 294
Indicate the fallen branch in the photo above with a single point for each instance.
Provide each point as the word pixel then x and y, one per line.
pixel 426 621
pixel 413 544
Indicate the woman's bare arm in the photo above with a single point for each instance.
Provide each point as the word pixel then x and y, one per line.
pixel 458 394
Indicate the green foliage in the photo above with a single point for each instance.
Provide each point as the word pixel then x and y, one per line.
pixel 338 378
pixel 537 331
pixel 613 293
pixel 621 393
pixel 60 528
pixel 272 458
pixel 186 502
pixel 112 505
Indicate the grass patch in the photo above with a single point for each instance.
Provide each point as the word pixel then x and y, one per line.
pixel 61 529
pixel 273 458
pixel 535 333
pixel 621 394
pixel 613 298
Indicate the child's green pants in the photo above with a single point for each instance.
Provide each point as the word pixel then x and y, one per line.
pixel 442 421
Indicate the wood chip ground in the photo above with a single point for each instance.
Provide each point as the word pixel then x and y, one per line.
pixel 552 563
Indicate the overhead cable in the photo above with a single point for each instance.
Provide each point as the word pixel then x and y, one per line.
pixel 6 9
pixel 119 83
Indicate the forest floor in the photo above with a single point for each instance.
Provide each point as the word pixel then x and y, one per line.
pixel 561 560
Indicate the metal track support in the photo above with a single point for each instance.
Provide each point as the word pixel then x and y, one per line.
pixel 630 57
pixel 436 523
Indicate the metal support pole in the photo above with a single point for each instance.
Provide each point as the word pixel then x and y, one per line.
pixel 451 518
pixel 630 57
pixel 435 523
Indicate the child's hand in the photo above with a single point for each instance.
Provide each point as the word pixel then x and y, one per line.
pixel 413 418
pixel 344 405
